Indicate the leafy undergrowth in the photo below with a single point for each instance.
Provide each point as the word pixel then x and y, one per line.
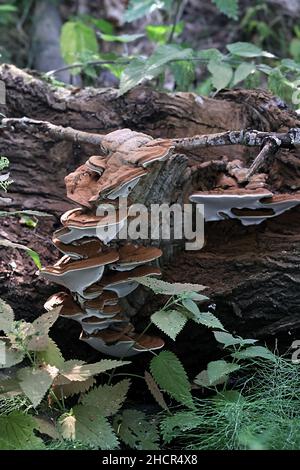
pixel 47 402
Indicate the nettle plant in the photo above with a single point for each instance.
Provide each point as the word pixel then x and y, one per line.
pixel 174 65
pixel 47 402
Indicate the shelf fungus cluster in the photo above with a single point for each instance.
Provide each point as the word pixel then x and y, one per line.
pixel 97 269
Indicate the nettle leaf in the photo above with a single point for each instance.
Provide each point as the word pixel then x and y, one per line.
pixel 153 388
pixel 51 355
pixel 72 388
pixel 221 74
pixel 166 288
pixel 230 8
pixel 228 340
pixel 218 370
pixel 255 351
pixel 139 8
pixel 170 375
pixel 9 356
pixel 6 317
pixel 139 70
pixel 279 85
pixel 245 49
pixel 46 427
pixel 210 54
pixel 183 421
pixel 208 319
pixel 74 370
pixel 120 38
pixel 243 71
pixel 76 40
pixel 35 383
pixel 137 430
pixel 39 339
pixel 107 398
pixel 91 428
pixel 171 322
pixel 17 432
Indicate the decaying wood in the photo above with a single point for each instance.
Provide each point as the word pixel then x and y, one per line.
pixel 252 272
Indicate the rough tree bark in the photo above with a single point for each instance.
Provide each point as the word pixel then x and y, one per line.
pixel 251 272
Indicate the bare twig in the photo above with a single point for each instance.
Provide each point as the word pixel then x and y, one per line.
pixel 267 153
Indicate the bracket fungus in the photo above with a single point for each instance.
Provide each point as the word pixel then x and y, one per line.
pixel 97 272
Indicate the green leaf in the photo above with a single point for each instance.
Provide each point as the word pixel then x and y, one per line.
pixel 221 74
pixel 46 427
pixel 28 221
pixel 17 432
pixel 91 428
pixel 6 317
pixel 245 49
pixel 228 340
pixel 171 322
pixel 72 371
pixel 191 306
pixel 139 8
pixel 255 351
pixel 208 319
pixel 166 288
pixel 104 25
pixel 291 64
pixel 29 251
pixel 295 49
pixel 210 54
pixel 8 8
pixel 25 212
pixel 121 38
pixel 136 430
pixel 170 375
pixel 182 421
pixel 218 370
pixel 8 356
pixel 279 85
pixel 230 8
pixel 77 40
pixel 153 388
pixel 161 33
pixel 107 398
pixel 243 71
pixel 52 355
pixel 35 383
pixel 139 70
pixel 39 339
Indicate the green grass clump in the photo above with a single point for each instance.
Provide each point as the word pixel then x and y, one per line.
pixel 262 413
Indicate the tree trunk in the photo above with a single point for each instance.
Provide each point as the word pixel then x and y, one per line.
pixel 251 271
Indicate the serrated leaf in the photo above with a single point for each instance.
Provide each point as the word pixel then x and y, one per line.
pixel 107 398
pixel 17 432
pixel 72 388
pixel 167 288
pixel 209 54
pixel 228 340
pixel 183 421
pixel 170 375
pixel 242 72
pixel 139 70
pixel 6 317
pixel 46 427
pixel 93 429
pixel 244 49
pixel 67 425
pixel 218 370
pixel 136 430
pixel 208 319
pixel 9 356
pixel 156 393
pixel 35 383
pixel 221 74
pixel 39 339
pixel 230 8
pixel 52 355
pixel 191 306
pixel 184 72
pixel 255 351
pixel 74 371
pixel 171 322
